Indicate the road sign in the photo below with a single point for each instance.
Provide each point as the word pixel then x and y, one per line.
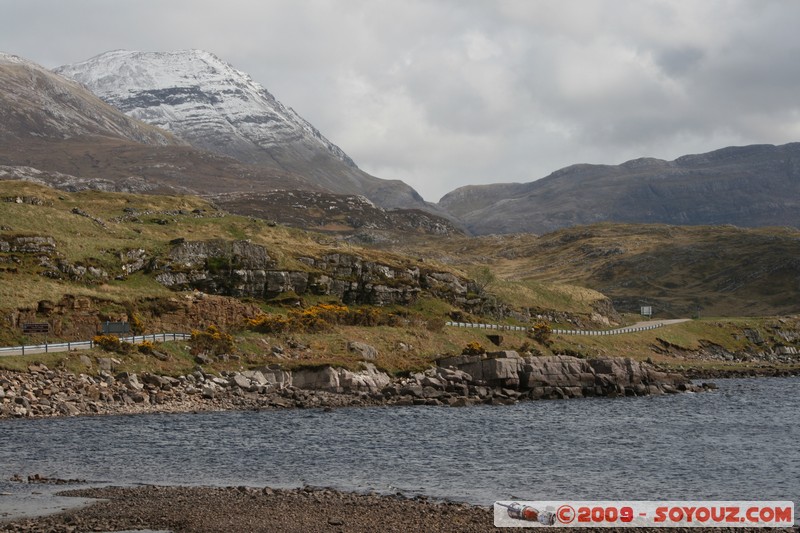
pixel 35 327
pixel 647 310
pixel 116 327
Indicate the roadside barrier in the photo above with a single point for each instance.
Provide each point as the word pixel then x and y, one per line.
pixel 617 331
pixel 77 345
pixel 485 326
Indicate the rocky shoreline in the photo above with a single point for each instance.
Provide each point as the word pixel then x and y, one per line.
pixel 753 372
pixel 306 510
pixel 500 378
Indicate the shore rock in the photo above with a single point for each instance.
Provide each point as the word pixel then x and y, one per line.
pixel 497 378
pixel 564 376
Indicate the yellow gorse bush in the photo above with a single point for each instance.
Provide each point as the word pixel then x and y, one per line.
pixel 212 340
pixel 473 348
pixel 320 317
pixel 542 331
pixel 111 343
pixel 146 347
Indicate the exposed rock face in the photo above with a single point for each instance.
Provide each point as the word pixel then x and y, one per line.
pixel 566 376
pixel 341 380
pixel 244 269
pixel 235 268
pixel 242 254
pixel 28 244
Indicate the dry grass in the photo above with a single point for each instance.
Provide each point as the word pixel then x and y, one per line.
pixel 82 240
pixel 414 348
pixel 533 272
pixel 555 296
pixel 718 271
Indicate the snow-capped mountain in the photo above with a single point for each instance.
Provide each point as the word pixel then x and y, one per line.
pixel 54 130
pixel 213 106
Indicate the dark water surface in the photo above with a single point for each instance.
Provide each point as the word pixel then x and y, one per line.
pixel 741 442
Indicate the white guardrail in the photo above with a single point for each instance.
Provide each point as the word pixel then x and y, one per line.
pixel 164 337
pixel 82 345
pixel 617 331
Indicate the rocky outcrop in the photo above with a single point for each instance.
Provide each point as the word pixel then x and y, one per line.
pixel 29 200
pixel 39 251
pixel 364 350
pixel 564 376
pixel 351 215
pixel 340 380
pixel 30 244
pixel 241 268
pixel 234 268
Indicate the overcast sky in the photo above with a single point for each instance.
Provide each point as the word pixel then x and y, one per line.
pixel 447 93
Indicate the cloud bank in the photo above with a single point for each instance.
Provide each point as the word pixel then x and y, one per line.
pixel 445 93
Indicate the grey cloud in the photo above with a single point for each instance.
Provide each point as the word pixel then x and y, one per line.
pixel 678 61
pixel 449 92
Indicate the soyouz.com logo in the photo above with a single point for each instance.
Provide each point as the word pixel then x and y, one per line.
pixel 644 514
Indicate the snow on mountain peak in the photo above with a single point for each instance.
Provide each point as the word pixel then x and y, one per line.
pixel 202 99
pixel 11 58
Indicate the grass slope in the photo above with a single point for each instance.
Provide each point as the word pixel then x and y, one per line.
pixel 532 272
pixel 681 270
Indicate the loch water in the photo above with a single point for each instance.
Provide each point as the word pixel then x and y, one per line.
pixel 740 442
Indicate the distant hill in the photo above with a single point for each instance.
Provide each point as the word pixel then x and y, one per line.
pixel 748 186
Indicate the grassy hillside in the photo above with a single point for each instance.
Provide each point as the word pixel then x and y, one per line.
pixel 682 271
pixel 96 229
pixel 706 347
pixel 115 223
pixel 541 276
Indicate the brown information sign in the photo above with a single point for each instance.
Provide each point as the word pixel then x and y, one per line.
pixel 116 327
pixel 35 327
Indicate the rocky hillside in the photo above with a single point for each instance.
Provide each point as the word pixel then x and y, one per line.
pixel 748 186
pixel 335 213
pixel 215 107
pixel 34 103
pixel 119 248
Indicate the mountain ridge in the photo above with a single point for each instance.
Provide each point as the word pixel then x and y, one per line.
pixel 749 186
pixel 213 106
pixel 55 132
